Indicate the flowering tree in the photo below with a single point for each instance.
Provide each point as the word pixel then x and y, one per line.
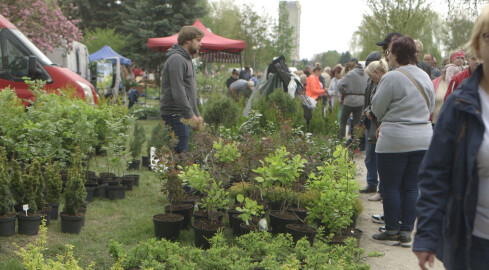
pixel 42 22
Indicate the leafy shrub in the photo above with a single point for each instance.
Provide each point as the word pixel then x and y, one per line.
pixel 220 110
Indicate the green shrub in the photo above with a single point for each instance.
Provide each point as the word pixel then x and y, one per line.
pixel 6 199
pixel 220 110
pixel 75 192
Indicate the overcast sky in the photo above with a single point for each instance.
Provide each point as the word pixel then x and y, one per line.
pixel 325 24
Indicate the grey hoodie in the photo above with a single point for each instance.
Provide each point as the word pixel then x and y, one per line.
pixel 352 86
pixel 178 91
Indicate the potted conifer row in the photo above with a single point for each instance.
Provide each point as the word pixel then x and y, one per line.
pixel 75 193
pixel 29 220
pixel 54 186
pixel 7 217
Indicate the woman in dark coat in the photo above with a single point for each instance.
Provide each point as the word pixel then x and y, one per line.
pixel 453 207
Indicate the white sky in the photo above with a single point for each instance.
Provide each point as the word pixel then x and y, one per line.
pixel 325 24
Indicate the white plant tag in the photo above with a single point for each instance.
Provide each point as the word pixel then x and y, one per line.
pixel 262 225
pixel 247 223
pixel 196 207
pixel 25 207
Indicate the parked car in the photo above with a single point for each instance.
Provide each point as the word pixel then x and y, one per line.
pixel 20 58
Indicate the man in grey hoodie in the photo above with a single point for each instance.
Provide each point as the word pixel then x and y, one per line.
pixel 178 87
pixel 352 87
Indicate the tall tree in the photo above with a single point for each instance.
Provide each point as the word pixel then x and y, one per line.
pixel 329 58
pixel 413 18
pixel 155 18
pixel 94 13
pixel 98 38
pixel 458 29
pixel 224 19
pixel 42 22
pixel 345 58
pixel 472 7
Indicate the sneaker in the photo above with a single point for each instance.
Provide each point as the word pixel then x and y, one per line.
pixel 379 219
pixel 382 229
pixel 368 189
pixel 405 239
pixel 390 238
pixel 376 197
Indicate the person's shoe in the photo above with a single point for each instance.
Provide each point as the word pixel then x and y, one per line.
pixel 379 219
pixel 376 197
pixel 390 238
pixel 382 229
pixel 405 239
pixel 368 189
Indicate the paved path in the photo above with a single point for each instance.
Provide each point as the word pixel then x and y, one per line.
pixel 396 258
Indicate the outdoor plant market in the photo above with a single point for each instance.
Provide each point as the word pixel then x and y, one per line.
pixel 208 134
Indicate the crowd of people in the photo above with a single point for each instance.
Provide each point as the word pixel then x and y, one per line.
pixel 426 142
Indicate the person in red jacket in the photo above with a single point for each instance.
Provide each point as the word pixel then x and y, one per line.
pixel 313 87
pixel 459 77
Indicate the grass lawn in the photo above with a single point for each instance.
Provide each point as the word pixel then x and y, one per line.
pixel 127 221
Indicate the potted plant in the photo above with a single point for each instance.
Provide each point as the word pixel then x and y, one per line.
pixel 136 145
pixel 75 194
pixel 336 182
pixel 251 215
pixel 29 221
pixel 54 187
pixel 279 169
pixel 7 216
pixel 214 199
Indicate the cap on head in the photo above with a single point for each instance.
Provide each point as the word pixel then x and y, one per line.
pixel 251 84
pixel 354 60
pixel 384 43
pixel 373 56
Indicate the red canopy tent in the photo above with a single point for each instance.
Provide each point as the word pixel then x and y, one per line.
pixel 214 48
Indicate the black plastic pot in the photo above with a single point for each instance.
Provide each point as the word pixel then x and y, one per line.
pixel 71 224
pixel 232 212
pixel 135 179
pixel 101 191
pixel 202 214
pixel 299 231
pixel 28 225
pixel 54 211
pixel 128 182
pixel 134 165
pixel 145 161
pixel 202 234
pixel 186 210
pixel 7 225
pixel 90 192
pixel 167 225
pixel 236 220
pixel 116 192
pixel 279 221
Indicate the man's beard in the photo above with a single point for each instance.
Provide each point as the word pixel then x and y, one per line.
pixel 193 50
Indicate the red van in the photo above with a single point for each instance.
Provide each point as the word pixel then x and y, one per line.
pixel 20 57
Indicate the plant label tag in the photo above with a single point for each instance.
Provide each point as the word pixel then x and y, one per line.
pixel 247 223
pixel 25 207
pixel 262 225
pixel 196 207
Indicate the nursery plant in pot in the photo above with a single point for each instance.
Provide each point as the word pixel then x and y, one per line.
pixel 75 193
pixel 214 199
pixel 279 169
pixel 29 221
pixel 7 216
pixel 251 215
pixel 168 174
pixel 54 186
pixel 338 186
pixel 136 145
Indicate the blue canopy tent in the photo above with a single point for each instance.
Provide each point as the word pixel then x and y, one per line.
pixel 106 52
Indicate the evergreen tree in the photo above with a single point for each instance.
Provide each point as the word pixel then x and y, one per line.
pixel 145 19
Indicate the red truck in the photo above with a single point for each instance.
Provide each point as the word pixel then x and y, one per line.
pixel 20 57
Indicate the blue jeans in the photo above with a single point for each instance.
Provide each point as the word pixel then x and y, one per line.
pixel 479 251
pixel 181 130
pixel 398 174
pixel 371 159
